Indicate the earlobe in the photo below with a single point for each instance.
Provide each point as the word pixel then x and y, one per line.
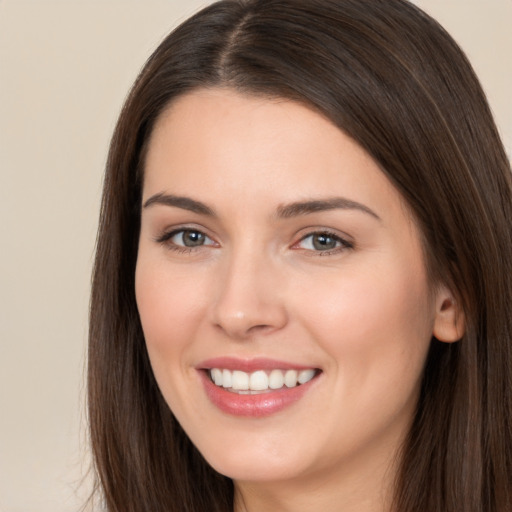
pixel 449 322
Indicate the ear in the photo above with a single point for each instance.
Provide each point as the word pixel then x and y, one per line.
pixel 449 322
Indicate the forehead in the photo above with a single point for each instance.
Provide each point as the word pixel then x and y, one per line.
pixel 240 149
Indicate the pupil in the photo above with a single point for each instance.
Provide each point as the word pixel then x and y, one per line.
pixel 193 238
pixel 324 242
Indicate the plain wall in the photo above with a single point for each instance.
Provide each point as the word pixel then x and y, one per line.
pixel 65 68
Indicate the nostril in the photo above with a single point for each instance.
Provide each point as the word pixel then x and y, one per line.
pixel 242 330
pixel 260 328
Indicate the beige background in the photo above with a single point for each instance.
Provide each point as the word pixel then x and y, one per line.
pixel 65 67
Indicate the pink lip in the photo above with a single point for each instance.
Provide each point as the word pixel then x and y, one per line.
pixel 248 365
pixel 256 406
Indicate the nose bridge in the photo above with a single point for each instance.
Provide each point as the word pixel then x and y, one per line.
pixel 248 298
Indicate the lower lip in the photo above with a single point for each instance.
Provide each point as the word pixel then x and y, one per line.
pixel 256 406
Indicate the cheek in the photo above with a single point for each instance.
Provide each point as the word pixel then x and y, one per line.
pixel 376 331
pixel 170 307
pixel 375 325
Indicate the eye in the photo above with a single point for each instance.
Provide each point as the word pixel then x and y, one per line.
pixel 323 242
pixel 189 238
pixel 185 239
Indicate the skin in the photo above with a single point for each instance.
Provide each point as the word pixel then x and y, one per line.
pixel 363 313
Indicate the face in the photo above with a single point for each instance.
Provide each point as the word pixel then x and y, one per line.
pixel 281 287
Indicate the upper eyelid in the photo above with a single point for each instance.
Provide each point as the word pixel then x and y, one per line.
pixel 165 239
pixel 344 238
pixel 318 230
pixel 169 232
pixel 344 243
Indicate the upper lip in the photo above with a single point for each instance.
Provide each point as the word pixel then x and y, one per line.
pixel 250 365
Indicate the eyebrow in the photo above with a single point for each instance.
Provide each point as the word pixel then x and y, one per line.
pixel 287 211
pixel 321 205
pixel 184 203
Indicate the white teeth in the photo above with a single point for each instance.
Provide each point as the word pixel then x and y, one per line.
pixel 227 380
pixel 305 376
pixel 240 380
pixel 217 376
pixel 276 379
pixel 290 378
pixel 260 380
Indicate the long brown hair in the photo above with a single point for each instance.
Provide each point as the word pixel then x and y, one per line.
pixel 391 78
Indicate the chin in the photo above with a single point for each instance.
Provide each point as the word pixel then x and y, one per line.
pixel 263 470
pixel 254 462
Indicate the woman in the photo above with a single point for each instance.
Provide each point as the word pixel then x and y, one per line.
pixel 301 297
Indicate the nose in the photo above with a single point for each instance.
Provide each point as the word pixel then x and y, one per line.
pixel 250 300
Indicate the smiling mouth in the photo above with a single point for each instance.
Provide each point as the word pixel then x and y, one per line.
pixel 260 381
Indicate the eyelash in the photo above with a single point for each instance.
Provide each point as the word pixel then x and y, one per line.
pixel 165 239
pixel 344 245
